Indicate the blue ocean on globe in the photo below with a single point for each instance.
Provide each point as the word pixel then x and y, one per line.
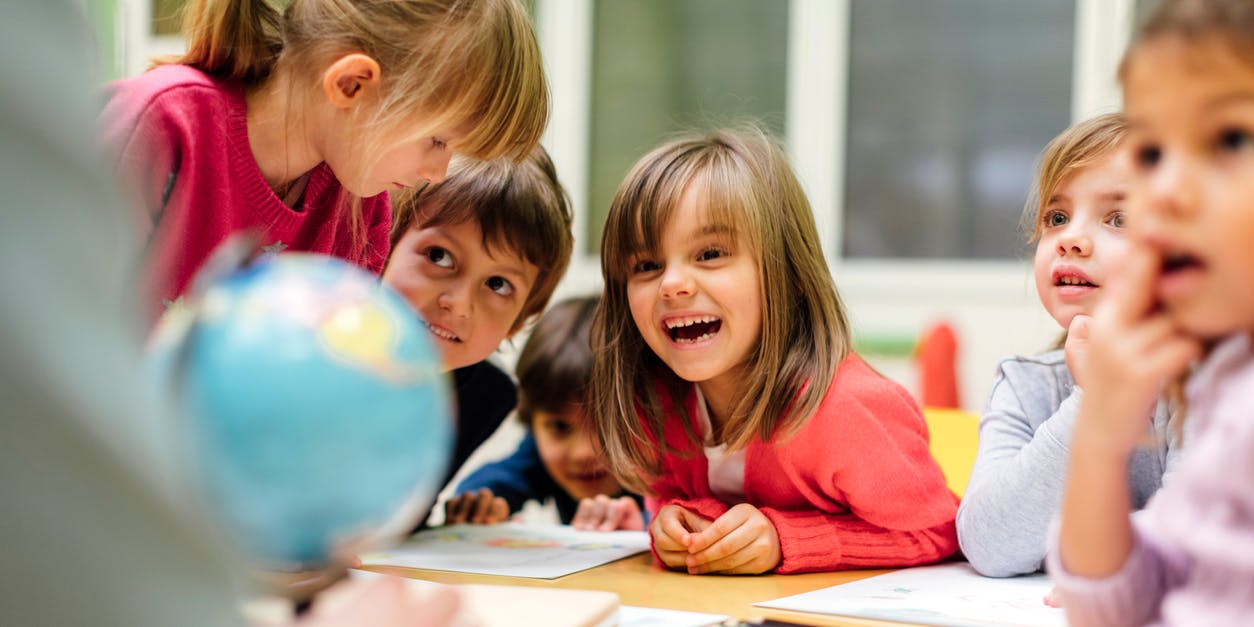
pixel 317 413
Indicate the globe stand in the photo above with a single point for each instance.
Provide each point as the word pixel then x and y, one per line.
pixel 302 587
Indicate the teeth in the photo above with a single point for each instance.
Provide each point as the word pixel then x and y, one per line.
pixel 441 333
pixel 1072 280
pixel 675 323
pixel 702 338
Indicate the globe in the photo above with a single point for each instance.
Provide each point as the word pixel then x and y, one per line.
pixel 317 416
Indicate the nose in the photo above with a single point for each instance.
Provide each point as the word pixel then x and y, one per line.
pixel 456 300
pixel 676 282
pixel 582 451
pixel 1172 189
pixel 1075 240
pixel 434 165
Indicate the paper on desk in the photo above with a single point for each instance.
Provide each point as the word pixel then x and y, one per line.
pixel 511 549
pixel 951 595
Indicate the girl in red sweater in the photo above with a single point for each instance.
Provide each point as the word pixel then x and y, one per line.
pixel 298 123
pixel 725 386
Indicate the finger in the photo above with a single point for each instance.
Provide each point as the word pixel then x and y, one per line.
pixel 667 532
pixel 619 515
pixel 455 509
pixel 482 505
pixel 740 563
pixel 594 512
pixel 499 511
pixel 1132 290
pixel 704 538
pixel 1078 330
pixel 726 553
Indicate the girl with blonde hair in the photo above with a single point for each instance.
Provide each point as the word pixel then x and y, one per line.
pixel 725 387
pixel 1077 216
pixel 297 122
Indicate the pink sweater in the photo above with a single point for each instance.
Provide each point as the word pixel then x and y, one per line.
pixel 181 140
pixel 855 487
pixel 1192 560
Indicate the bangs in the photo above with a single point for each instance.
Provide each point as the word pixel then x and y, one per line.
pixel 649 198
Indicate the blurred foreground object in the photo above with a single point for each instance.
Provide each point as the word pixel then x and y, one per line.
pixel 316 412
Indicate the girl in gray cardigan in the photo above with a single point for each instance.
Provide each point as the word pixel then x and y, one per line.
pixel 1016 485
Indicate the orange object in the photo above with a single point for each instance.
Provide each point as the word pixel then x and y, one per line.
pixel 936 357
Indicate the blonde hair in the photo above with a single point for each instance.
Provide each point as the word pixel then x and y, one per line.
pixel 747 182
pixel 471 64
pixel 1231 21
pixel 520 207
pixel 1074 149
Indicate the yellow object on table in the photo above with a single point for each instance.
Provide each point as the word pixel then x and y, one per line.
pixel 954 434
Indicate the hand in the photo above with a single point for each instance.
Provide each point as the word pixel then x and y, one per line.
pixel 605 514
pixel 1132 351
pixel 384 601
pixel 1077 347
pixel 669 531
pixel 741 542
pixel 477 508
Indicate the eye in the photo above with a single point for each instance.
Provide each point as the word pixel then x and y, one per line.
pixel 1054 218
pixel 644 266
pixel 500 285
pixel 559 428
pixel 1234 140
pixel 1117 219
pixel 710 254
pixel 439 256
pixel 1147 155
pixel 438 144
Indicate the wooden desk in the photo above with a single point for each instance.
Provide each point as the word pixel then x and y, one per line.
pixel 638 582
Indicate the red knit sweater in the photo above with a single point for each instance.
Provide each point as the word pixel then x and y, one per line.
pixel 181 139
pixel 855 487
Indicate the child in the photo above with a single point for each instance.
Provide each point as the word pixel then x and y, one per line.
pixel 1077 210
pixel 557 458
pixel 1187 559
pixel 297 124
pixel 477 256
pixel 724 384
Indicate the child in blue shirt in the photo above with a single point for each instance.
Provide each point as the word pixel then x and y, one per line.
pixel 558 457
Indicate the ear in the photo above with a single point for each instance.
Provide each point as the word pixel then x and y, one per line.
pixel 350 79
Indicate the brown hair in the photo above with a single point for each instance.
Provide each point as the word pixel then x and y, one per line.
pixel 555 364
pixel 1074 149
pixel 1231 21
pixel 520 207
pixel 746 182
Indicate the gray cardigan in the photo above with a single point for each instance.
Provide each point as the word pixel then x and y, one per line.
pixel 1017 483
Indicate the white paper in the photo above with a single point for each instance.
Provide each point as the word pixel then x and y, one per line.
pixel 632 616
pixel 951 595
pixel 511 549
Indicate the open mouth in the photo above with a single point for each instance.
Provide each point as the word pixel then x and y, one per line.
pixel 1177 262
pixel 442 333
pixel 592 476
pixel 1073 280
pixel 692 329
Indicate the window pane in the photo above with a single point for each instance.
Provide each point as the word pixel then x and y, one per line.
pixel 660 66
pixel 950 102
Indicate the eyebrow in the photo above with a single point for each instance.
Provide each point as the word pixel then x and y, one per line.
pixel 1229 99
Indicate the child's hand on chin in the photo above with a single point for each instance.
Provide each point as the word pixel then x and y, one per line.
pixel 602 513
